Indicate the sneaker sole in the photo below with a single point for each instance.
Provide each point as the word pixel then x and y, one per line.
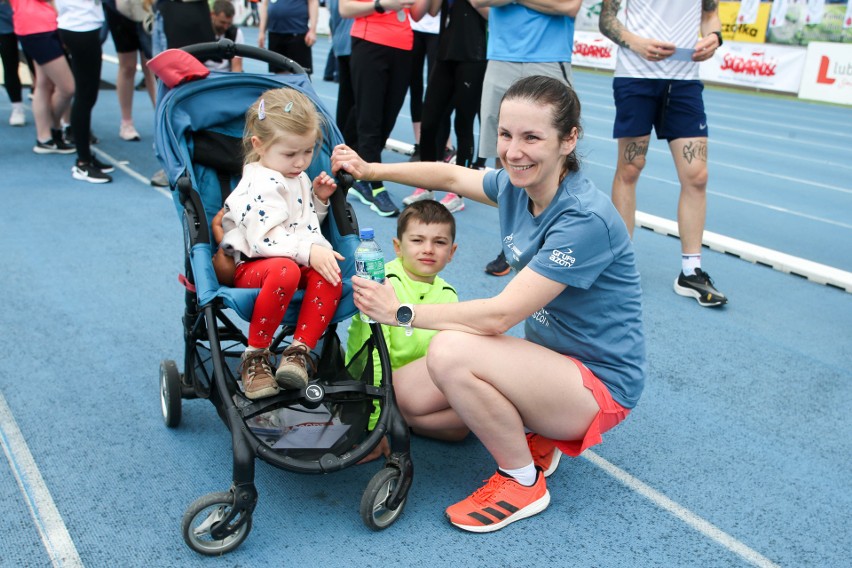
pixel 263 393
pixel 288 381
pixel 381 213
pixel 501 273
pixel 409 200
pixel 38 150
pixel 557 455
pixel 83 177
pixel 697 296
pixel 455 209
pixel 360 197
pixel 533 508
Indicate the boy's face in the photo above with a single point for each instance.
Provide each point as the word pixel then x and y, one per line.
pixel 425 249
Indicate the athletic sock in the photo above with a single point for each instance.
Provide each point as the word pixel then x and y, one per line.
pixel 525 475
pixel 689 262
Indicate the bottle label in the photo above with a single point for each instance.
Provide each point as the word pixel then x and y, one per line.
pixel 374 269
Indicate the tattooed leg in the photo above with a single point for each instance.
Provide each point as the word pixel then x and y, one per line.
pixel 631 160
pixel 690 157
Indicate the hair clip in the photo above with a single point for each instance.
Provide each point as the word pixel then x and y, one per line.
pixel 288 107
pixel 261 110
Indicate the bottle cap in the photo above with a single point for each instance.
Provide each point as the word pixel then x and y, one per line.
pixel 367 233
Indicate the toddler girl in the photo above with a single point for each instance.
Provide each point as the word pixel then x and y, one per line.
pixel 272 230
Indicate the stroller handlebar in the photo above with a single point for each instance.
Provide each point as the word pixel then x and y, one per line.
pixel 227 49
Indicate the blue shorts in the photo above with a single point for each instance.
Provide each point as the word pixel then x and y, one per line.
pixel 674 108
pixel 42 47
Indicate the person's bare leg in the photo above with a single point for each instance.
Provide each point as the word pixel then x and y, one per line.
pixel 150 80
pixel 690 157
pixel 124 84
pixel 632 153
pixel 508 384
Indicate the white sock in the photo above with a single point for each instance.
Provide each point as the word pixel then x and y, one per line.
pixel 525 475
pixel 18 105
pixel 689 262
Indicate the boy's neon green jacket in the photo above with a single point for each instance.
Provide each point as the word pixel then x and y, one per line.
pixel 401 348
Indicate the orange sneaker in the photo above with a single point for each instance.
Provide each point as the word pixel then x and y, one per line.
pixel 501 501
pixel 545 454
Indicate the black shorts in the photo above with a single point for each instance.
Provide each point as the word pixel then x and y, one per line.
pixel 292 46
pixel 127 35
pixel 43 47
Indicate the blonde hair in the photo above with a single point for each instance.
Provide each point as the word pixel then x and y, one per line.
pixel 284 111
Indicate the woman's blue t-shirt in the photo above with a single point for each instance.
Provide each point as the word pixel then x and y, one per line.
pixel 581 241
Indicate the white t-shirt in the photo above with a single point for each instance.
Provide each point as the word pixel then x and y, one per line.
pixel 675 21
pixel 79 15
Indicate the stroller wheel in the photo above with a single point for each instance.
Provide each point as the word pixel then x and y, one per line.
pixel 170 393
pixel 205 515
pixel 374 511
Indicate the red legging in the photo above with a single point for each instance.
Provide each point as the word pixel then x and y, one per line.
pixel 278 279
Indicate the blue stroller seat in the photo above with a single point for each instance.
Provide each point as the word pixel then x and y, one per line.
pixel 198 140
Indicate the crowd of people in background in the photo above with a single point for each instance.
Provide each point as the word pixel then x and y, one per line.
pixel 454 59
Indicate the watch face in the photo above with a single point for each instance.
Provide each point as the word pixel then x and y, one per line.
pixel 404 315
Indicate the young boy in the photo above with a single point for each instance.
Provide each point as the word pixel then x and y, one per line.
pixel 424 245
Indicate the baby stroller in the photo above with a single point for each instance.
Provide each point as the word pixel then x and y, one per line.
pixel 319 429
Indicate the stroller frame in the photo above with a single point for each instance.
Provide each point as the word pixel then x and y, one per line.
pixel 218 523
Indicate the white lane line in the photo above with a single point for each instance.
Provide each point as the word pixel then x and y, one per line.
pixel 48 521
pixel 704 527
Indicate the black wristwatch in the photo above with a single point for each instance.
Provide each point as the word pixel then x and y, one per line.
pixel 378 6
pixel 405 317
pixel 718 35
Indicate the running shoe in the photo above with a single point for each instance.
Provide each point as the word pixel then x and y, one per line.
pixel 501 501
pixel 453 202
pixel 128 132
pixel 545 454
pixel 383 204
pixel 18 116
pixel 103 166
pixel 498 266
pixel 363 191
pixel 53 147
pixel 85 171
pixel 700 287
pixel 419 194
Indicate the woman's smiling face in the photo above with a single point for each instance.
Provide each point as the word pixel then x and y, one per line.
pixel 529 145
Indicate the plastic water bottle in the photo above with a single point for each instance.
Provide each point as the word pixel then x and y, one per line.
pixel 369 261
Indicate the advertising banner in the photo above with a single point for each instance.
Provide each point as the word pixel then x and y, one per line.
pixel 799 22
pixel 744 27
pixel 769 67
pixel 592 49
pixel 828 73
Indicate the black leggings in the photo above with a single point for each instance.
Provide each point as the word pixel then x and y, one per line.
pixel 84 51
pixel 380 78
pixel 425 51
pixel 452 85
pixel 9 55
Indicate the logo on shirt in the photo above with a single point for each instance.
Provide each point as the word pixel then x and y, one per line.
pixel 562 258
pixel 509 240
pixel 541 317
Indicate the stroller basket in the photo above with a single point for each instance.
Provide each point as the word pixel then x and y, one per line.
pixel 321 428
